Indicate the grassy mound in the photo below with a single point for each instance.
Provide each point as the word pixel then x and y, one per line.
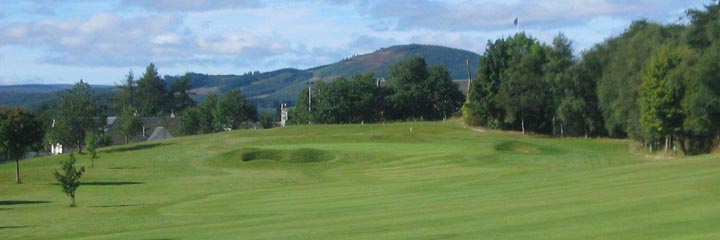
pixel 253 154
pixel 258 155
pixel 525 148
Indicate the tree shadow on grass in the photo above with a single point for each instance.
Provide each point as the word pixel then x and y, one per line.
pixel 124 168
pixel 117 205
pixel 20 202
pixel 110 183
pixel 106 183
pixel 10 227
pixel 136 147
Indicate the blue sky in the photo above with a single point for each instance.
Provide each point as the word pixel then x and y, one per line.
pixel 56 41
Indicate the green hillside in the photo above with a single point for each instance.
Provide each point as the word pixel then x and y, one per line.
pixel 379 62
pixel 269 89
pixel 32 95
pixel 387 181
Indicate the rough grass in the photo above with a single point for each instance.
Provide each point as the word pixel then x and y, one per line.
pixel 439 181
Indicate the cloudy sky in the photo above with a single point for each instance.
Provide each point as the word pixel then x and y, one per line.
pixel 56 41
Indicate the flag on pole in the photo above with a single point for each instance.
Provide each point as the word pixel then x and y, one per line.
pixel 515 22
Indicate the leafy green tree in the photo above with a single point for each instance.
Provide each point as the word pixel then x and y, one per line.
pixel 558 80
pixel 624 59
pixel 77 113
pixel 151 93
pixel 266 120
pixel 130 124
pixel 91 144
pixel 301 113
pixel 3 114
pixel 69 178
pixel 410 99
pixel 482 107
pixel 19 131
pixel 522 90
pixel 234 109
pixel 444 95
pixel 367 99
pixel 702 102
pixel 191 121
pixel 422 92
pixel 661 93
pixel 209 115
pixel 704 25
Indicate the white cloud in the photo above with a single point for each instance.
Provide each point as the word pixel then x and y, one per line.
pixel 492 15
pixel 166 39
pixel 238 36
pixel 110 40
pixel 191 5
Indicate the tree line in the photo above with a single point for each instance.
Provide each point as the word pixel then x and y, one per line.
pixel 656 83
pixel 414 91
pixel 77 118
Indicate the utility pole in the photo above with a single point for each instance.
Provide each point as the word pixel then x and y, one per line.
pixel 467 62
pixel 310 95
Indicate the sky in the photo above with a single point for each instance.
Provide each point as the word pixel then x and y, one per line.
pixel 100 41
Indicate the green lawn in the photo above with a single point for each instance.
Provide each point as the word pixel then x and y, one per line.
pixel 438 181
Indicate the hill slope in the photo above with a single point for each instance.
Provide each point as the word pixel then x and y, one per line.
pixel 31 95
pixel 269 89
pixel 438 181
pixel 379 62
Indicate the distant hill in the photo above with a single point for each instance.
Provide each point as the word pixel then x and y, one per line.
pixel 379 62
pixel 269 89
pixel 30 95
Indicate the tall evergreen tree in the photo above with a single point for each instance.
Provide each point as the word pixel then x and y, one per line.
pixel 181 95
pixel 151 93
pixel 126 97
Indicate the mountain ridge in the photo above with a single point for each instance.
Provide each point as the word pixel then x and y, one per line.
pixel 269 89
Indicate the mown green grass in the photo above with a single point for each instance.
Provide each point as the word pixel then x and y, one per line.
pixel 438 181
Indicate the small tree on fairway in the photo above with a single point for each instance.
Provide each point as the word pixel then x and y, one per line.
pixel 91 144
pixel 69 179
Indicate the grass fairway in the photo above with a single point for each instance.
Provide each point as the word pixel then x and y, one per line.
pixel 440 181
